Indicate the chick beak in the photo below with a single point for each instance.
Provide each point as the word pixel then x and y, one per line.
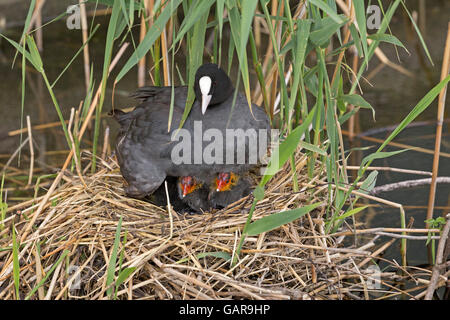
pixel 206 99
pixel 185 190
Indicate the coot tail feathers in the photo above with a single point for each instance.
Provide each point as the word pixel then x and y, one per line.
pixel 143 93
pixel 122 117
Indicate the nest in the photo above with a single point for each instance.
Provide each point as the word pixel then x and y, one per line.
pixel 160 254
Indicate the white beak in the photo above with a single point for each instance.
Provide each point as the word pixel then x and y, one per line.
pixel 205 102
pixel 205 86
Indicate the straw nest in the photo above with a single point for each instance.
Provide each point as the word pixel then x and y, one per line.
pixel 170 256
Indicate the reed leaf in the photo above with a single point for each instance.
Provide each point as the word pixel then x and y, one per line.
pixel 48 274
pixel 360 15
pixel 278 219
pixel 149 39
pixel 284 151
pixel 112 261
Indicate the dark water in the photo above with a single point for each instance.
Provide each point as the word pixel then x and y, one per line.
pixel 391 93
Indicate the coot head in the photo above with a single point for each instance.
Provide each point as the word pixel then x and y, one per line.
pixel 212 85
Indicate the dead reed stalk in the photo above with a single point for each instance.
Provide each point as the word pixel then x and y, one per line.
pixel 440 120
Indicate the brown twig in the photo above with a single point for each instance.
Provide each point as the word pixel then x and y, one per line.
pixel 401 145
pixel 407 184
pixel 74 151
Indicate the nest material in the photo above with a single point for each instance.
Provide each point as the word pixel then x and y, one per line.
pixel 177 256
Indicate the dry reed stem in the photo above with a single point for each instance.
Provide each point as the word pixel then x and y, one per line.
pixel 36 127
pixel 400 145
pixel 75 156
pixel 35 16
pixel 141 64
pixel 84 33
pixel 407 184
pixel 351 121
pixel 419 172
pixel 105 143
pixel 165 58
pixel 30 140
pixel 440 119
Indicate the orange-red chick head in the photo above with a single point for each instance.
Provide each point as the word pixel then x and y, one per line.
pixel 225 180
pixel 187 185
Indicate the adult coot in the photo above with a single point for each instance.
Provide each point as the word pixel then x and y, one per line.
pixel 220 134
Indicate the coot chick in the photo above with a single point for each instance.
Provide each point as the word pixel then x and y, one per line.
pixel 159 197
pixel 229 188
pixel 144 146
pixel 186 194
pixel 194 193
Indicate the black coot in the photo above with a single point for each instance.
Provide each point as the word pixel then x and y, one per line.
pixel 144 146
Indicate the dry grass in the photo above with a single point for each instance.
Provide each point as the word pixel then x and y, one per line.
pixel 295 261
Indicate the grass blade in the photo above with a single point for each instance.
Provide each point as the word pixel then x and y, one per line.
pixel 327 9
pixel 278 219
pixel 149 39
pixel 112 261
pixel 48 274
pixel 285 150
pixel 360 14
pixel 123 275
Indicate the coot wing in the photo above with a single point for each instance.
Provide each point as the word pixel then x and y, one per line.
pixel 144 175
